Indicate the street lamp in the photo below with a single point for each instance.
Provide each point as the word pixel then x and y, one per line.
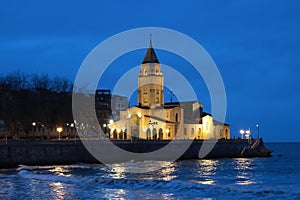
pixel 257 126
pixel 104 126
pixel 242 132
pixel 59 130
pixel 248 133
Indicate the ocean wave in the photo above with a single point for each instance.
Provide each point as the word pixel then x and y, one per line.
pixel 75 166
pixel 48 177
pixel 100 177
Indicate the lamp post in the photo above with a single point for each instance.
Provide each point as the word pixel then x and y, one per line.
pixel 104 126
pixel 242 132
pixel 59 130
pixel 248 134
pixel 257 126
pixel 72 125
pixel 34 129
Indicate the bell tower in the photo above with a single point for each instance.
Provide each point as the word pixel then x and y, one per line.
pixel 150 80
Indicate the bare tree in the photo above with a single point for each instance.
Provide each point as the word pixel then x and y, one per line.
pixel 61 85
pixel 41 82
pixel 17 80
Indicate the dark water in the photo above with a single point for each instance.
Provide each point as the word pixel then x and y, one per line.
pixel 255 178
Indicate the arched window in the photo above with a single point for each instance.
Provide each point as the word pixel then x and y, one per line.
pixel 160 133
pixel 125 134
pixel 199 133
pixel 148 134
pixel 176 117
pixel 121 135
pixel 115 134
pixel 154 134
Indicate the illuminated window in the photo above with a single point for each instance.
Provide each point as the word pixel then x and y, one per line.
pixel 156 100
pixel 145 100
pixel 145 92
pixel 157 91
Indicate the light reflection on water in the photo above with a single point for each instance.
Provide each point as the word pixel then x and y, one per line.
pixel 167 173
pixel 244 168
pixel 207 170
pixel 58 189
pixel 60 171
pixel 120 170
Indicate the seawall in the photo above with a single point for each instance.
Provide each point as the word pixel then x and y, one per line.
pixel 14 153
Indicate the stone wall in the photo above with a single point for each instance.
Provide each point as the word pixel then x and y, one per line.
pixel 14 153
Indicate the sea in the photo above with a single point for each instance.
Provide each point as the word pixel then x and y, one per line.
pixel 276 177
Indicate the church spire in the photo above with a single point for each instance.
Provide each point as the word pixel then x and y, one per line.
pixel 150 56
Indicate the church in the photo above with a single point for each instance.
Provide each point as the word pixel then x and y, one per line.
pixel 153 119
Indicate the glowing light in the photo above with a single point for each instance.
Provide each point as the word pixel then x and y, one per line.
pixel 139 115
pixel 242 132
pixel 244 171
pixel 167 170
pixel 59 129
pixel 33 124
pixel 59 189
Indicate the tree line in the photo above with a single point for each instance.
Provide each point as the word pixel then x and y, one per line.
pixel 27 98
pixel 21 81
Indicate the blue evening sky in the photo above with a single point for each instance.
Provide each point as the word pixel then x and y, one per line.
pixel 255 44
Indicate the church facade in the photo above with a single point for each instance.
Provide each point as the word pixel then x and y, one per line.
pixel 153 119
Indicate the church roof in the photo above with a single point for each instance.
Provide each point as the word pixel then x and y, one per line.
pixel 150 56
